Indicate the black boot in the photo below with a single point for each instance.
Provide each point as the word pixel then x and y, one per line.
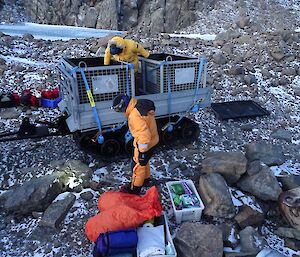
pixel 130 190
pixel 149 182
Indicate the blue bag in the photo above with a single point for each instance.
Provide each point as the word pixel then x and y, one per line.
pixel 115 242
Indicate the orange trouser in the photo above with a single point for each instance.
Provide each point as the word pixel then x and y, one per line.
pixel 139 173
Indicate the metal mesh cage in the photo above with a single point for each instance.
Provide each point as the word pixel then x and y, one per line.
pixel 105 81
pixel 182 72
pixel 188 80
pixel 120 84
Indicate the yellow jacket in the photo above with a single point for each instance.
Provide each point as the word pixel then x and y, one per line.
pixel 131 50
pixel 142 123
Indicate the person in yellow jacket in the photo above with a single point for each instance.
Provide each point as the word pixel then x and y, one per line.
pixel 142 125
pixel 124 50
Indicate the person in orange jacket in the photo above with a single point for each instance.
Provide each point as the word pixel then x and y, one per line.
pixel 124 50
pixel 142 125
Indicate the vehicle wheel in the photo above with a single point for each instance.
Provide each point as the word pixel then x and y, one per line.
pixel 189 131
pixel 168 137
pixel 110 147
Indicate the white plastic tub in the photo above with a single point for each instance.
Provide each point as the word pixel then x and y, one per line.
pixel 186 214
pixel 168 241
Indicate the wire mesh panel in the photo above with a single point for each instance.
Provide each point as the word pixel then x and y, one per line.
pixel 104 84
pixel 183 76
pixel 181 71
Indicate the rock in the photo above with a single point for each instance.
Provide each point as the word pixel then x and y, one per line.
pixel 250 79
pixel 230 236
pixel 289 206
pixel 9 113
pixel 249 217
pixel 283 81
pixel 227 35
pixel 263 185
pixel 219 58
pixel 231 165
pixel 90 18
pixel 74 174
pixel 289 182
pixel 244 39
pixel 254 167
pixel 2 61
pixel 108 15
pixel 296 91
pixel 238 70
pixel 131 13
pixel 289 71
pixel 292 243
pixel 251 241
pixel 215 196
pixel 34 195
pixel 243 22
pixel 267 153
pixel 247 127
pixel 266 74
pixel 282 134
pixel 288 232
pixel 228 48
pixel 57 211
pixel 218 43
pixel 87 196
pixel 198 240
pixel 28 37
pixel 277 54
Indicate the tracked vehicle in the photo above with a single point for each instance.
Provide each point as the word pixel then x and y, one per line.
pixel 176 84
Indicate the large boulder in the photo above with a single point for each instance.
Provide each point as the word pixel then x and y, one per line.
pixel 289 206
pixel 57 211
pixel 263 184
pixel 74 175
pixel 216 197
pixel 231 165
pixel 34 195
pixel 199 240
pixel 268 153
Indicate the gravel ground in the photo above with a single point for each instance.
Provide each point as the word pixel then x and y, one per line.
pixel 30 63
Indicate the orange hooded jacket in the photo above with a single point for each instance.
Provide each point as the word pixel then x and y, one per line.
pixel 142 124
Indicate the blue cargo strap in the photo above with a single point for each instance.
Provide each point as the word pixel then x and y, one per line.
pixel 203 61
pixel 169 58
pixel 92 102
pixel 128 66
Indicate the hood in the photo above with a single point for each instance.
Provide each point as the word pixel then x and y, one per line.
pixel 118 41
pixel 144 106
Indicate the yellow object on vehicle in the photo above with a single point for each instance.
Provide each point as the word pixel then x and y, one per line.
pixel 129 53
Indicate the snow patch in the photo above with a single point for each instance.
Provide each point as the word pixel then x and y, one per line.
pixel 239 199
pixel 24 61
pixel 287 168
pixel 55 32
pixel 207 37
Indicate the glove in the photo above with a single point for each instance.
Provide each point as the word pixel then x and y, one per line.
pixel 143 160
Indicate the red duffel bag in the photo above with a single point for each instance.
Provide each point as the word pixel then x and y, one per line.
pixel 121 211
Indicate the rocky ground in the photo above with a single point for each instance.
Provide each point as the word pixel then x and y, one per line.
pixel 244 63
